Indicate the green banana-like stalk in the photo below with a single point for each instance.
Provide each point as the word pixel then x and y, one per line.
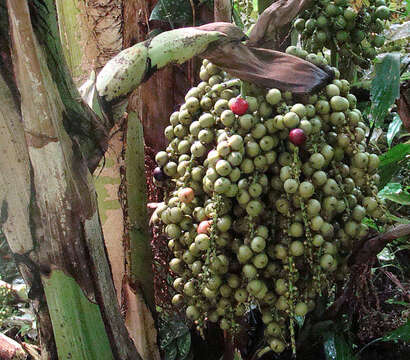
pixel 130 67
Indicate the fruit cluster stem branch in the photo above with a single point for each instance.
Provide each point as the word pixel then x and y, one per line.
pixel 373 246
pixel 365 254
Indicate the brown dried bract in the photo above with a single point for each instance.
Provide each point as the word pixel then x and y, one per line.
pixel 275 22
pixel 267 68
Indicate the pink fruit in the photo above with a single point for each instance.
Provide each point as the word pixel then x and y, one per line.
pixel 239 106
pixel 297 137
pixel 186 195
pixel 203 227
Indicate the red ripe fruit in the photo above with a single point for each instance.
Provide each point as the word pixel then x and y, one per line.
pixel 186 195
pixel 297 137
pixel 239 106
pixel 203 227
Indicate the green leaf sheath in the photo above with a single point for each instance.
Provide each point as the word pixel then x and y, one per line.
pixel 77 323
pixel 140 267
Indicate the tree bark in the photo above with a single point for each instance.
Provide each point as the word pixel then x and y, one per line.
pixel 65 246
pixel 222 10
pixel 15 186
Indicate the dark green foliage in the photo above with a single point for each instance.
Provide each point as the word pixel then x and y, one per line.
pixel 8 269
pixel 396 192
pixel 174 339
pixel 337 348
pixel 391 162
pixel 385 86
pixel 394 128
pixel 175 12
pixel 402 333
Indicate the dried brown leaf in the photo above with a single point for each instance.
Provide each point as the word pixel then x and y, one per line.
pixel 267 68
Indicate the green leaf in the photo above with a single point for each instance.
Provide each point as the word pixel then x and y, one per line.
pixel 394 128
pixel 176 12
pixel 370 223
pixel 237 355
pixel 171 351
pixel 387 172
pixel 395 192
pixel 184 345
pixel 405 76
pixel 395 154
pixel 395 302
pixel 390 162
pixel 255 5
pixel 263 5
pixel 385 86
pixel 337 348
pixel 386 255
pixel 395 218
pixel 330 347
pixel 169 330
pixel 344 350
pixel 402 333
pixel 236 16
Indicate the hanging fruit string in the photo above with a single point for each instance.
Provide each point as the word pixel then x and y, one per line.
pixel 352 34
pixel 265 198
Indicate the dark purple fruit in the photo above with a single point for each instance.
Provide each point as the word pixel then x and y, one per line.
pixel 159 175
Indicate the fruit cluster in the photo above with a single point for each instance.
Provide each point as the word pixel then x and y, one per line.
pixel 353 34
pixel 265 197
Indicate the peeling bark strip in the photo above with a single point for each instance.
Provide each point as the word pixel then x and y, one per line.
pixel 57 191
pixel 83 125
pixel 14 175
pixel 17 211
pixel 67 229
pixel 140 323
pixel 78 326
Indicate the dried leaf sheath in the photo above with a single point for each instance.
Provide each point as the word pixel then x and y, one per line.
pixel 268 68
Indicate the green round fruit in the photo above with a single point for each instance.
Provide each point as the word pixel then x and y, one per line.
pixel 382 12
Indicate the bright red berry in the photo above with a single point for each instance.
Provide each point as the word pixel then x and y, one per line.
pixel 297 137
pixel 239 106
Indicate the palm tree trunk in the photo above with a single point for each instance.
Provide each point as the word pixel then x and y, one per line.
pixel 60 237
